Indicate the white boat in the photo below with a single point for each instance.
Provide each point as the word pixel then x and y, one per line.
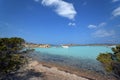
pixel 65 46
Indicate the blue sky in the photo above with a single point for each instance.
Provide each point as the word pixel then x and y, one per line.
pixel 61 21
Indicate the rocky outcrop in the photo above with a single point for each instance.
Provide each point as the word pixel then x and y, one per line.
pixel 32 45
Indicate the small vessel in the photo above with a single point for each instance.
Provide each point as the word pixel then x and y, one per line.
pixel 65 46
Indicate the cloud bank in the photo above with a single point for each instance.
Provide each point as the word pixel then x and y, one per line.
pixel 103 33
pixel 92 26
pixel 115 0
pixel 116 12
pixel 100 31
pixel 62 8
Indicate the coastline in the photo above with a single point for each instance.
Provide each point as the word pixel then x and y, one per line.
pixel 86 74
pixel 38 70
pixel 51 72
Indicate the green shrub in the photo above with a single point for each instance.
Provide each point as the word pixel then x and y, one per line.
pixel 10 56
pixel 106 59
pixel 111 61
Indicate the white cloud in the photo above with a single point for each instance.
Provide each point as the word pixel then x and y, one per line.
pixel 62 8
pixel 72 24
pixel 116 12
pixel 92 26
pixel 103 33
pixel 115 0
pixel 100 32
pixel 102 24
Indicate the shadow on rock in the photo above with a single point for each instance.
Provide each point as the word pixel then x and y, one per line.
pixel 24 75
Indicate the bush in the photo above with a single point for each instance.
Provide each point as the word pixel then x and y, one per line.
pixel 106 59
pixel 11 58
pixel 111 61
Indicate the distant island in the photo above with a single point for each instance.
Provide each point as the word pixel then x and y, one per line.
pixel 35 45
pixel 89 44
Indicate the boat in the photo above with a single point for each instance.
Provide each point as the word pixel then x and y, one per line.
pixel 65 46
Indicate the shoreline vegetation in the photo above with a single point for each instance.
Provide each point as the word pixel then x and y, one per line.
pixel 15 64
pixel 33 45
pixel 111 61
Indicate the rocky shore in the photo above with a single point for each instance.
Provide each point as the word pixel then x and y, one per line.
pixel 65 70
pixel 38 71
pixel 33 45
pixel 53 73
pixel 35 70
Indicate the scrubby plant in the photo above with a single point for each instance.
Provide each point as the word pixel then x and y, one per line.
pixel 11 57
pixel 106 59
pixel 111 61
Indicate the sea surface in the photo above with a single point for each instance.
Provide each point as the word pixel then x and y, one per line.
pixel 85 52
pixel 81 57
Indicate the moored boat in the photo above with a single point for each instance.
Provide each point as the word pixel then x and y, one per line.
pixel 65 46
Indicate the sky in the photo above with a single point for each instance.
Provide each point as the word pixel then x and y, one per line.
pixel 61 21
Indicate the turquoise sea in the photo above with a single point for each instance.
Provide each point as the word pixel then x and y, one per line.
pixel 80 57
pixel 90 52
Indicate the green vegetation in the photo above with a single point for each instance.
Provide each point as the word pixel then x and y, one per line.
pixel 111 61
pixel 11 54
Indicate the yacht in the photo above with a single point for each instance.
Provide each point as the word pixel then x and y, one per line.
pixel 65 46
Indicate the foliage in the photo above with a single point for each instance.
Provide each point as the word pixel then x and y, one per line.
pixel 11 57
pixel 111 61
pixel 106 59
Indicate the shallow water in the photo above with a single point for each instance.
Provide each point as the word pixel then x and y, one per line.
pixel 85 52
pixel 80 57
